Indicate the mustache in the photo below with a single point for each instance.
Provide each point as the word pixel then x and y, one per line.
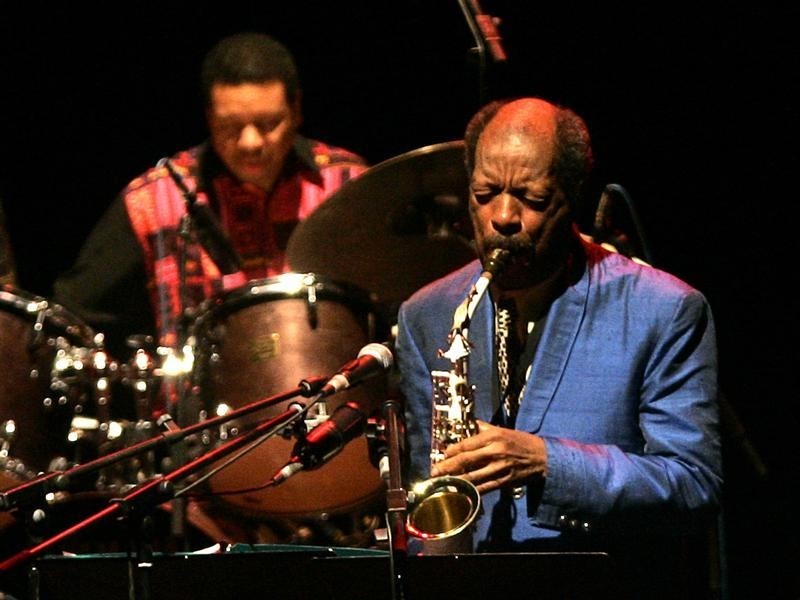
pixel 515 245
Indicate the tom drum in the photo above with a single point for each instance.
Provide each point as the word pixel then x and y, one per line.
pixel 263 339
pixel 41 344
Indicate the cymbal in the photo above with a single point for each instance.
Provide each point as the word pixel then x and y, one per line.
pixel 396 227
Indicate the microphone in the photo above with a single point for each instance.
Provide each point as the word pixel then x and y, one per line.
pixel 346 423
pixel 209 231
pixel 603 214
pixel 372 359
pixel 484 23
pixel 609 228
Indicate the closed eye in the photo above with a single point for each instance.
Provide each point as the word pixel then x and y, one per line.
pixel 537 203
pixel 484 194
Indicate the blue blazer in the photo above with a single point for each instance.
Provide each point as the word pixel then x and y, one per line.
pixel 623 389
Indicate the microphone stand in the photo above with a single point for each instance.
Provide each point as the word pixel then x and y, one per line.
pixel 209 232
pixel 605 211
pixel 486 37
pixel 212 238
pixel 386 441
pixel 32 492
pixel 137 502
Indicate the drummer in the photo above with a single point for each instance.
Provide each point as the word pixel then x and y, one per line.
pixel 257 174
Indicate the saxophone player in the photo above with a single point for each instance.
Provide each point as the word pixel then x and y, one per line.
pixel 595 376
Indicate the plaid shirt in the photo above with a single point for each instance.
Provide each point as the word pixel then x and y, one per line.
pixel 257 223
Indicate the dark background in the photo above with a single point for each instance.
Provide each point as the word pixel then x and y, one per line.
pixel 692 112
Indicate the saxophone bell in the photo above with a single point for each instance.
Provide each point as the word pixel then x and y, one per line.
pixel 443 511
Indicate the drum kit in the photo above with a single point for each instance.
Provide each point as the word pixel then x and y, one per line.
pixel 398 226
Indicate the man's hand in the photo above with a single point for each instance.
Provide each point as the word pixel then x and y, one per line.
pixel 496 457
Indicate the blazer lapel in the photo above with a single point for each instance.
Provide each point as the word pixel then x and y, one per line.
pixel 558 337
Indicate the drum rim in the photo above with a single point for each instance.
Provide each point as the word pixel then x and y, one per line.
pixel 288 286
pixel 26 305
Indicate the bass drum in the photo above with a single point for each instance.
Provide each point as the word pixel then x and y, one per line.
pixel 262 340
pixel 37 395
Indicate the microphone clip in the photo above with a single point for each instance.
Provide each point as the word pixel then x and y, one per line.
pixel 297 428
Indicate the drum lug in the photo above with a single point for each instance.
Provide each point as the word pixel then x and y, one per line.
pixel 311 302
pixel 8 431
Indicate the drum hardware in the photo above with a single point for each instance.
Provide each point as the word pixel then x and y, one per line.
pixel 144 374
pixel 141 378
pixel 8 464
pixel 82 374
pixel 136 500
pixel 175 363
pixel 8 429
pixel 85 376
pixel 149 368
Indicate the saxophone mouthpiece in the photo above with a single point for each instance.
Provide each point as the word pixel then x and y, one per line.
pixel 497 261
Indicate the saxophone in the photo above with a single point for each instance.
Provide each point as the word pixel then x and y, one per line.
pixel 442 510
